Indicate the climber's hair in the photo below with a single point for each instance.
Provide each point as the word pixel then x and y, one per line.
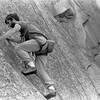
pixel 11 17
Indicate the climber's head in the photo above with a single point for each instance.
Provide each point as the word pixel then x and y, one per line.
pixel 11 19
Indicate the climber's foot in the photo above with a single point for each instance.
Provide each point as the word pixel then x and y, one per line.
pixel 30 68
pixel 52 92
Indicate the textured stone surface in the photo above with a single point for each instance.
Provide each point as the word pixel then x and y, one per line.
pixel 13 86
pixel 75 75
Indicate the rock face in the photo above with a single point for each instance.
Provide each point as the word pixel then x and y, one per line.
pixel 13 85
pixel 72 65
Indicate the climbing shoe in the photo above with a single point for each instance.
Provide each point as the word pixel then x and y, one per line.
pixel 52 92
pixel 31 64
pixel 29 68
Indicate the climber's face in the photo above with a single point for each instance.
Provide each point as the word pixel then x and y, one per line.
pixel 9 23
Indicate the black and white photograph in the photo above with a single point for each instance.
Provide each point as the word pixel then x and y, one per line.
pixel 49 49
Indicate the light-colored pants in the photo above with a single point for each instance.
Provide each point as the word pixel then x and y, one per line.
pixel 23 50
